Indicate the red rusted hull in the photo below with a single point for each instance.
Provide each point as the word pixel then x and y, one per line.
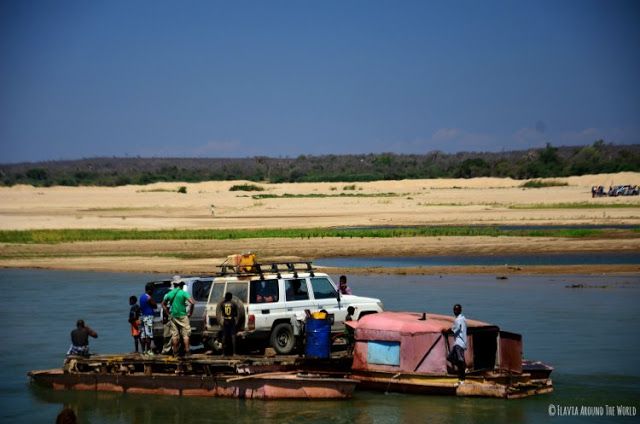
pixel 496 386
pixel 266 386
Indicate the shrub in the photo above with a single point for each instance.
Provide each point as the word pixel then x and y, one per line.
pixel 246 187
pixel 541 184
pixel 182 190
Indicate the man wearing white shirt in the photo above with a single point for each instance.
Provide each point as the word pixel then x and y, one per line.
pixel 459 329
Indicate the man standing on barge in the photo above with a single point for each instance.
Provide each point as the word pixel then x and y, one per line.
pixel 179 317
pixel 147 305
pixel 229 318
pixel 459 329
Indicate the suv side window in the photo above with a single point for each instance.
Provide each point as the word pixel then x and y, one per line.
pixel 323 289
pixel 264 291
pixel 217 293
pixel 160 289
pixel 201 290
pixel 238 290
pixel 296 289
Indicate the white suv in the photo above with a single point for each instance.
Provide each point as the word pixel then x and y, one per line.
pixel 271 299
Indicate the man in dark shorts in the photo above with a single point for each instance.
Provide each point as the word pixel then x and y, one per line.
pixel 349 331
pixel 459 329
pixel 229 318
pixel 134 320
pixel 80 339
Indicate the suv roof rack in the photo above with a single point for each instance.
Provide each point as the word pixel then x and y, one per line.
pixel 267 267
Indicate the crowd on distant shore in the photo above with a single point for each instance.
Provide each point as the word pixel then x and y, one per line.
pixel 614 191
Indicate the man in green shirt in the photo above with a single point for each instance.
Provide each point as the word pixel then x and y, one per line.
pixel 175 306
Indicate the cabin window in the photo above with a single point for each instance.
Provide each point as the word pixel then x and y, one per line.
pixel 383 352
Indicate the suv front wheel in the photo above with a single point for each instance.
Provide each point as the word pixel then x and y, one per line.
pixel 282 338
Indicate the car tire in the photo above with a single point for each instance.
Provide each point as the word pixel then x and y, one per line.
pixel 282 339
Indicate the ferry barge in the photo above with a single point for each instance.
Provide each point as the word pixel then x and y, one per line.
pixel 285 377
pixel 392 351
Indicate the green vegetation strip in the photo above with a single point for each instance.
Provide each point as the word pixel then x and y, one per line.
pixel 319 195
pixel 77 235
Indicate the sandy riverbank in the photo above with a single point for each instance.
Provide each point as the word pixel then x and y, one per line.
pixel 408 202
pixel 482 201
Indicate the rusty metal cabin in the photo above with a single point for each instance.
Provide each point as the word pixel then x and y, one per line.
pixel 405 342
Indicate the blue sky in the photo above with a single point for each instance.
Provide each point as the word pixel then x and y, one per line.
pixel 284 78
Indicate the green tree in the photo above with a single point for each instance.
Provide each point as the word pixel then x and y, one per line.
pixel 37 174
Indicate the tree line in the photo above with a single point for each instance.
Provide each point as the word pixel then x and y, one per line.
pixel 549 161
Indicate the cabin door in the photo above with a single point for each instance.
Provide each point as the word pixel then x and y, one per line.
pixel 510 352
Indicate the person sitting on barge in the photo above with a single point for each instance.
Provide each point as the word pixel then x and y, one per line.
pixel 80 339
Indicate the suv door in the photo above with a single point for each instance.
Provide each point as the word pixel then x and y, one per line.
pixel 296 295
pixel 325 297
pixel 200 292
pixel 215 296
pixel 266 304
pixel 160 288
pixel 240 293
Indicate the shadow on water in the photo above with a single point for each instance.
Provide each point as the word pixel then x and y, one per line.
pixel 365 407
pixel 119 408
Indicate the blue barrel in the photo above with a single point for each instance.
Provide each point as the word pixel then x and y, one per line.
pixel 318 338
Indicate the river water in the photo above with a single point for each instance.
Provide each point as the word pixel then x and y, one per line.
pixel 591 335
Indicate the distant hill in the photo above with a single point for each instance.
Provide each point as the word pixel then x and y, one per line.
pixel 534 163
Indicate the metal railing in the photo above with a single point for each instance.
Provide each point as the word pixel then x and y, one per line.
pixel 268 267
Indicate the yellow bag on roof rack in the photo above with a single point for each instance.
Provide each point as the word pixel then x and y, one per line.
pixel 242 262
